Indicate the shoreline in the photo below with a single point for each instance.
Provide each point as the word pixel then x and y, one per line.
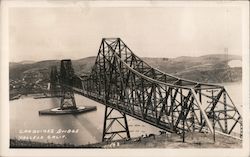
pixel 193 140
pixel 20 94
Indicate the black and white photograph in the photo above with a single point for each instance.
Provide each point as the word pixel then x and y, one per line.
pixel 125 76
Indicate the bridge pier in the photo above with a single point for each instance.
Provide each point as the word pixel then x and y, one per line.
pixel 118 120
pixel 61 85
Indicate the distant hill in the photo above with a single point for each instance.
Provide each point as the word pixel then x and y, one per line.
pixel 209 68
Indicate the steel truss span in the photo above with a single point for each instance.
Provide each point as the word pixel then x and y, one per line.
pixel 122 81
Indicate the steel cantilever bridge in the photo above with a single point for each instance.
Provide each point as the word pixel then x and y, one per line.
pixel 124 83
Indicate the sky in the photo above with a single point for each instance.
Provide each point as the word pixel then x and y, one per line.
pixel 73 32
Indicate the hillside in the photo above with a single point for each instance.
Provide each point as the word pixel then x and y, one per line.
pixel 209 68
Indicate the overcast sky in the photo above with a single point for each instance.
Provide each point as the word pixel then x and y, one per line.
pixel 73 32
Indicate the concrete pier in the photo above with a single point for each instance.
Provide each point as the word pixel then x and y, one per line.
pixel 58 110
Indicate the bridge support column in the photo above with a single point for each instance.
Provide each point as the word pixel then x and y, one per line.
pixel 66 82
pixel 115 125
pixel 225 110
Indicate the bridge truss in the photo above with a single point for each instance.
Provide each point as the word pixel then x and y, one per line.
pixel 123 82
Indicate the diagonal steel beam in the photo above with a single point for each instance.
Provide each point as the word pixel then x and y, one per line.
pixel 201 107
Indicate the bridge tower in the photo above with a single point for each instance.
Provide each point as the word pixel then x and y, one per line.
pixel 66 82
pixel 113 118
pixel 62 86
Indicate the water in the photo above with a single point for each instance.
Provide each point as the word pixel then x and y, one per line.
pixel 24 117
pixel 235 92
pixel 235 63
pixel 82 128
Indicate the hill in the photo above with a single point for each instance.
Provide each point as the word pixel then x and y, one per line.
pixel 208 68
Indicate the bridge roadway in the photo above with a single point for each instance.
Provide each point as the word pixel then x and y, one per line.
pixel 138 115
pixel 119 107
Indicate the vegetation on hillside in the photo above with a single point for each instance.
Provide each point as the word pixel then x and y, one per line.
pixel 208 68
